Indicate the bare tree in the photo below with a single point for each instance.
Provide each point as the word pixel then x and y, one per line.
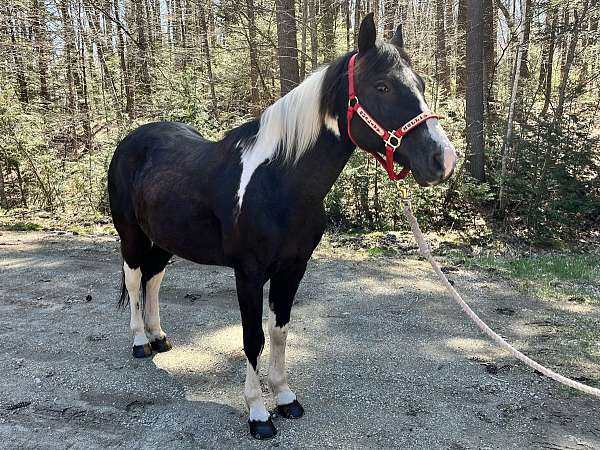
pixel 287 47
pixel 474 90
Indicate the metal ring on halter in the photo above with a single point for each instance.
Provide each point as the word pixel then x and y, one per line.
pixel 353 99
pixel 395 145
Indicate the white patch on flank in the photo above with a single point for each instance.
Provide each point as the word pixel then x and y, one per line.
pixel 152 309
pixel 277 372
pixel 253 394
pixel 331 123
pixel 288 127
pixel 133 279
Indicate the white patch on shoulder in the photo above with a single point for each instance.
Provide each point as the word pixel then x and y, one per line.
pixel 289 127
pixel 331 123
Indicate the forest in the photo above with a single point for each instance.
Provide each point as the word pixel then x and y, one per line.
pixel 516 81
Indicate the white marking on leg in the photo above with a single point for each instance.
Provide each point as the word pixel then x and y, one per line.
pixel 253 394
pixel 152 313
pixel 277 371
pixel 133 279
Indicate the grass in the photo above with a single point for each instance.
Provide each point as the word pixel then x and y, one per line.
pixel 573 278
pixel 22 226
pixel 376 251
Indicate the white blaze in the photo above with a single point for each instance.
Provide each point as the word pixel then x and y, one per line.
pixel 435 130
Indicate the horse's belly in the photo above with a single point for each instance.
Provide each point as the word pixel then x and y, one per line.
pixel 187 233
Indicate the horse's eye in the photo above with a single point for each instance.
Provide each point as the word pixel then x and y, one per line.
pixel 382 87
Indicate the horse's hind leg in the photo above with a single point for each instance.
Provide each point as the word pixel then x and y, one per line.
pixel 135 246
pixel 153 270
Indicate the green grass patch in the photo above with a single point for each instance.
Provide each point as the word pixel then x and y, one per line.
pixel 573 278
pixel 22 226
pixel 376 251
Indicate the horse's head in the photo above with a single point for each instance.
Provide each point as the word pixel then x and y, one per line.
pixel 393 94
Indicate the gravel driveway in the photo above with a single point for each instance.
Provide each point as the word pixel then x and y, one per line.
pixel 379 356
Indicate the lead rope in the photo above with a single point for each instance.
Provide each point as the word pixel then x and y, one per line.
pixel 426 253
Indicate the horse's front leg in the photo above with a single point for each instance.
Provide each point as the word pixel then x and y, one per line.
pixel 250 298
pixel 281 298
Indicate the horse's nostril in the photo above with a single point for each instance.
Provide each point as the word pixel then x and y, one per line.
pixel 437 162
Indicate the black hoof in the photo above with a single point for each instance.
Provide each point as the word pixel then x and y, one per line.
pixel 292 411
pixel 262 430
pixel 141 351
pixel 161 345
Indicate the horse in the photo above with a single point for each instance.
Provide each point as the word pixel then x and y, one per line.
pixel 253 201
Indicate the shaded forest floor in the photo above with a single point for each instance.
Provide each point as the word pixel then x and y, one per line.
pixel 378 354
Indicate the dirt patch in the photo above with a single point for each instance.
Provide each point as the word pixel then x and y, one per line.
pixel 378 354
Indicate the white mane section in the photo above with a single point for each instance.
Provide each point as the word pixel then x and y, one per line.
pixel 289 127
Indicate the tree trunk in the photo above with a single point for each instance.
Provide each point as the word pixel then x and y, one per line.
pixel 107 77
pixel 314 46
pixel 327 22
pixel 287 48
pixel 303 45
pixel 356 22
pixel 474 90
pixel 506 148
pixel 546 70
pixel 20 72
pixel 125 75
pixel 489 50
pixel 206 49
pixel 461 38
pixel 41 42
pixel 3 198
pixel 389 18
pixel 70 75
pixel 252 47
pixel 566 68
pixel 528 13
pixel 142 58
pixel 443 71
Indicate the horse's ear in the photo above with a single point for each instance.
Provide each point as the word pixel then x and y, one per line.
pixel 398 38
pixel 367 34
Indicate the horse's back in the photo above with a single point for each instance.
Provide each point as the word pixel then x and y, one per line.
pixel 150 148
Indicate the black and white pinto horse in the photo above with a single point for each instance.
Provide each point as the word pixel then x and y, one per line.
pixel 254 200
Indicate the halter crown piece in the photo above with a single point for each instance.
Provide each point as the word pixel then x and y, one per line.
pixel 392 139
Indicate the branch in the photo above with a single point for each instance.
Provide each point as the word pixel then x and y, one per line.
pixel 506 14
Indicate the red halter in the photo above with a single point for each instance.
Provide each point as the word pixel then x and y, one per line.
pixel 391 138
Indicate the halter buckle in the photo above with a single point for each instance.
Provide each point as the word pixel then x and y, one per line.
pixel 352 102
pixel 393 141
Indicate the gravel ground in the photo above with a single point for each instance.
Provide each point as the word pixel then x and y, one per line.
pixel 378 354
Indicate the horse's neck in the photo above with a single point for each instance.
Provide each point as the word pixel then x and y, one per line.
pixel 316 172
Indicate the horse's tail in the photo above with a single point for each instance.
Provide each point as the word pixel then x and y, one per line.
pixel 124 297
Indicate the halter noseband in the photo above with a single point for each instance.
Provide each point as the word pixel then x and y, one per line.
pixel 392 139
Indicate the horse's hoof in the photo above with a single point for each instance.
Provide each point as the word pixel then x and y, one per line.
pixel 262 430
pixel 292 411
pixel 141 351
pixel 161 345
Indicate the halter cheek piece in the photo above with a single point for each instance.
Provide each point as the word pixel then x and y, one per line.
pixel 392 139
